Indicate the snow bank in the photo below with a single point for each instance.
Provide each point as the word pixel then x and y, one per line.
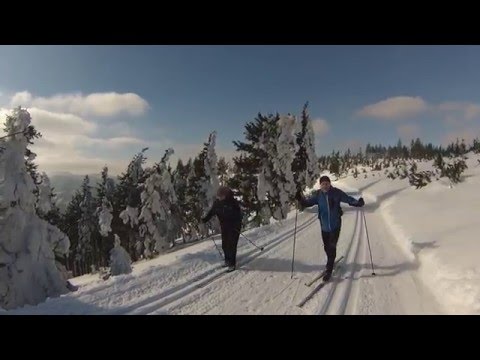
pixel 437 227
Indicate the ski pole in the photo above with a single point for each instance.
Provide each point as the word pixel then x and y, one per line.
pixel 251 242
pixel 294 240
pixel 216 247
pixel 368 241
pixel 214 243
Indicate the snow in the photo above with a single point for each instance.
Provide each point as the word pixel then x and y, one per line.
pixel 44 202
pixel 120 262
pixel 105 217
pixel 157 197
pixel 437 228
pixel 424 247
pixel 28 273
pixel 130 215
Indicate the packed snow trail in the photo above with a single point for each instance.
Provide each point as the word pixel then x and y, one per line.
pixel 264 286
pixel 191 281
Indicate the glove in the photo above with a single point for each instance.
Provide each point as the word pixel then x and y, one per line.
pixel 360 202
pixel 298 196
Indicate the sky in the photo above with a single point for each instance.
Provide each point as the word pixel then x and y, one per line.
pixel 97 105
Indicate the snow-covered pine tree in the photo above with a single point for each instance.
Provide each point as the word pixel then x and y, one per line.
pixel 157 198
pixel 69 225
pixel 86 248
pixel 276 184
pixel 439 164
pixel 305 165
pixel 191 209
pixel 28 244
pixel 105 188
pixel 104 203
pixel 180 185
pixel 45 204
pixel 120 261
pixel 210 181
pixel 246 169
pixel 283 160
pixel 223 171
pixel 126 205
pixel 475 146
pixel 202 185
pixel 105 217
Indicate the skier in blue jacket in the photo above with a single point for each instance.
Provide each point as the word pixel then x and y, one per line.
pixel 328 199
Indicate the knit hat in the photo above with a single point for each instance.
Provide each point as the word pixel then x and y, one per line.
pixel 324 178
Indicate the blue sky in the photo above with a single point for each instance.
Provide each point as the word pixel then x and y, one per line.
pixel 101 104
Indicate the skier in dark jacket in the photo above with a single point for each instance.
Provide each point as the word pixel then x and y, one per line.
pixel 228 211
pixel 328 199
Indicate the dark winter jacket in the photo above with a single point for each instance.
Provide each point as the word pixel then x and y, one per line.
pixel 329 210
pixel 228 212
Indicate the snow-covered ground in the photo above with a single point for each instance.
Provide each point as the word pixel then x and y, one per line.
pixel 424 245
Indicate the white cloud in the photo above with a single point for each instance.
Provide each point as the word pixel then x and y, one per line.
pixel 469 111
pixel 76 163
pixel 96 104
pixel 320 127
pixel 395 108
pixel 22 98
pixel 408 132
pixel 111 143
pixel 60 123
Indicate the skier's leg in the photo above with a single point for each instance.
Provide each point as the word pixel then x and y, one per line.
pixel 235 237
pixel 225 246
pixel 327 245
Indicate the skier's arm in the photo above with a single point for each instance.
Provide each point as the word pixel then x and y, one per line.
pixel 308 202
pixel 350 200
pixel 211 213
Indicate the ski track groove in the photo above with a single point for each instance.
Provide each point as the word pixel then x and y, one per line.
pixel 189 288
pixel 242 276
pixel 325 306
pixel 236 288
pixel 309 303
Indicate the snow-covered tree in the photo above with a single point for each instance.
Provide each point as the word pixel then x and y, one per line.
pixel 44 201
pixel 276 185
pixel 158 196
pixel 120 261
pixel 180 186
pixel 104 203
pixel 105 217
pixel 283 160
pixel 305 165
pixel 105 188
pixel 28 244
pixel 223 171
pixel 210 182
pixel 126 205
pixel 86 251
pixel 45 204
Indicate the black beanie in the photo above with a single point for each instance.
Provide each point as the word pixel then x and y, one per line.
pixel 324 178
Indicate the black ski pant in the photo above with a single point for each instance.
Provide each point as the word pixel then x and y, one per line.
pixel 230 235
pixel 330 240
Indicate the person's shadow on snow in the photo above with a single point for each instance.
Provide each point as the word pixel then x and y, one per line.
pixel 383 270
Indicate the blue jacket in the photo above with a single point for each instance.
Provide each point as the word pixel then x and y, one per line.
pixel 329 210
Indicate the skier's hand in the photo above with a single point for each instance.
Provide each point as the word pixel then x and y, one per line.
pixel 360 202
